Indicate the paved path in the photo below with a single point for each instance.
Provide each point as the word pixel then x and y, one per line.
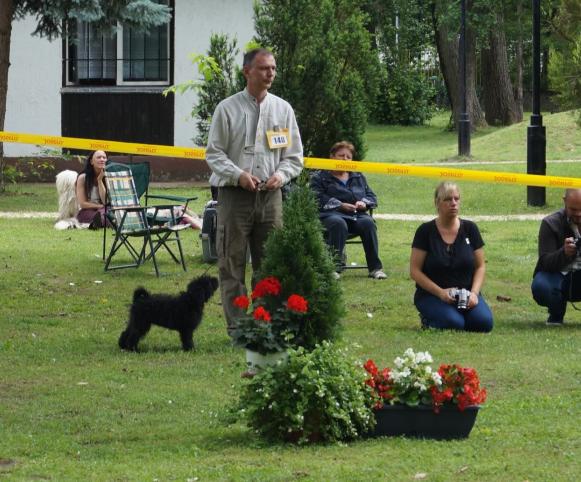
pixel 386 216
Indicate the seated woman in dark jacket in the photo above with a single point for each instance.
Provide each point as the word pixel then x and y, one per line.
pixel 344 201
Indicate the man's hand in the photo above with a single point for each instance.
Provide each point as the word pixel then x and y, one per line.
pixel 569 247
pixel 248 181
pixel 273 183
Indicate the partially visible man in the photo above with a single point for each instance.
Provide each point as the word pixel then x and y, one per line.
pixel 254 148
pixel 557 276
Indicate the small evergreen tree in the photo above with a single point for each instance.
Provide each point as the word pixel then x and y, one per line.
pixel 216 87
pixel 298 256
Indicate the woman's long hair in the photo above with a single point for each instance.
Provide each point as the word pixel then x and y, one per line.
pixel 90 178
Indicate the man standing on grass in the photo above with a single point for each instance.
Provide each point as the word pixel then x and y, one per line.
pixel 254 148
pixel 557 277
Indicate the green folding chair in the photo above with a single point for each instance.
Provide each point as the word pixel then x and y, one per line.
pixel 141 230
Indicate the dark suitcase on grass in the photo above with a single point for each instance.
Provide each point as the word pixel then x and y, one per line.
pixel 208 234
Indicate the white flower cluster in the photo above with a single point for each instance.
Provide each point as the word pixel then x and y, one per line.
pixel 413 371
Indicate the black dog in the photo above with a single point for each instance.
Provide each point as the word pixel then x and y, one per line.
pixel 182 313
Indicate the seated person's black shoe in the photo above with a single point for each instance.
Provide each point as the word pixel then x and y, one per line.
pixel 96 223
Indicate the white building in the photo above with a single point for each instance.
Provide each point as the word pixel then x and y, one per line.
pixel 106 88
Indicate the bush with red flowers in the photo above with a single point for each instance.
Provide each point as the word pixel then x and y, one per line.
pixel 270 322
pixel 413 382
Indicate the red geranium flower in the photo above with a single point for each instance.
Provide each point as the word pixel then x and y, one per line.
pixel 241 302
pixel 266 286
pixel 261 314
pixel 297 303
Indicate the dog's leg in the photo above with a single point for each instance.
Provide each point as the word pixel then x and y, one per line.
pixel 130 337
pixel 187 339
pixel 123 340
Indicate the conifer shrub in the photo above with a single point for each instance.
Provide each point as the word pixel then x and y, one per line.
pixel 298 256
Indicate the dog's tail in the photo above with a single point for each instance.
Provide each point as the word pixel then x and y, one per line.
pixel 140 293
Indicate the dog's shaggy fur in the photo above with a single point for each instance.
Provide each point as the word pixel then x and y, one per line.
pixel 68 206
pixel 182 313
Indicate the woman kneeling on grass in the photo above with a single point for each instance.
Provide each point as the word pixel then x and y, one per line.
pixel 448 255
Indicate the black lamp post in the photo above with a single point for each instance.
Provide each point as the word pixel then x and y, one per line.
pixel 536 136
pixel 464 120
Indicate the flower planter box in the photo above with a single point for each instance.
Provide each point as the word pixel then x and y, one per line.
pixel 422 421
pixel 256 361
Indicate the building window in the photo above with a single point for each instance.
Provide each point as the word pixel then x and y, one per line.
pixel 145 56
pixel 126 57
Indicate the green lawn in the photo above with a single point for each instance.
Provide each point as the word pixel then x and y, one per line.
pixel 430 143
pixel 74 407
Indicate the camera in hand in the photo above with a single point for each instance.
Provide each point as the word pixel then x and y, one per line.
pixel 461 296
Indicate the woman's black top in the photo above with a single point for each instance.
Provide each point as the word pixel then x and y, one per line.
pixel 448 265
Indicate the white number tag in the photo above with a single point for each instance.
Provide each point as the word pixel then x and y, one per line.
pixel 278 139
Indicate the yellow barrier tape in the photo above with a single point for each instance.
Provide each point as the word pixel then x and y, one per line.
pixel 199 153
pixel 113 146
pixel 445 172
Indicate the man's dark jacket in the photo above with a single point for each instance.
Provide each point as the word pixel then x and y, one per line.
pixel 552 233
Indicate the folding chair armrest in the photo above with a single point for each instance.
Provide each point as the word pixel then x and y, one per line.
pixel 152 213
pixel 168 197
pixel 161 206
pixel 127 208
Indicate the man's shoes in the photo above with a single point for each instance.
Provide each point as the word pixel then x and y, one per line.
pixel 553 321
pixel 377 274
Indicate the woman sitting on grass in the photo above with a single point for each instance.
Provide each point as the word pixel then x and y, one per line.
pixel 447 255
pixel 91 192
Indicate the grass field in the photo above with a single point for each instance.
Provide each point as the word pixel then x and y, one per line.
pixel 74 407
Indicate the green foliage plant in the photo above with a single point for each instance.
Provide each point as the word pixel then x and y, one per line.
pixel 565 77
pixel 565 64
pixel 406 97
pixel 319 395
pixel 326 67
pixel 220 78
pixel 297 255
pixel 404 38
